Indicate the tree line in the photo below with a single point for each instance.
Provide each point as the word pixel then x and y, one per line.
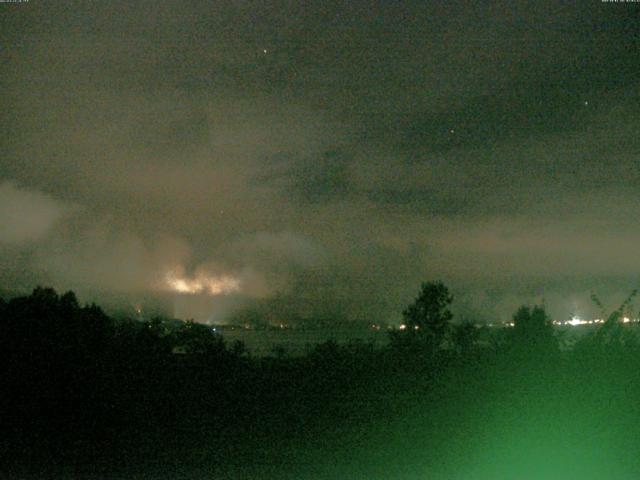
pixel 85 394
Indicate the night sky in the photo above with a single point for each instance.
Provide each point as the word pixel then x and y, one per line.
pixel 322 158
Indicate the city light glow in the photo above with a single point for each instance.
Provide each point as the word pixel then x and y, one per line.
pixel 202 283
pixel 575 321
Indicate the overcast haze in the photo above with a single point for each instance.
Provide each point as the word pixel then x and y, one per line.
pixel 332 155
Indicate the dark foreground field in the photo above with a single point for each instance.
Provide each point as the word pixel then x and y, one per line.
pixel 84 396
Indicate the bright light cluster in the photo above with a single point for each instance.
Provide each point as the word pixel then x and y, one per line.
pixel 576 321
pixel 202 283
pixel 573 322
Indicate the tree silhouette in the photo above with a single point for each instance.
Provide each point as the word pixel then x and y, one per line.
pixel 429 314
pixel 533 330
pixel 426 320
pixel 611 334
pixel 464 337
pixel 196 338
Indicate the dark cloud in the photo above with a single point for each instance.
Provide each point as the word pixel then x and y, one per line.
pixel 332 155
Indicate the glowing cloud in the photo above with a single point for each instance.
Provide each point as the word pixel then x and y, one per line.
pixel 202 283
pixel 27 215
